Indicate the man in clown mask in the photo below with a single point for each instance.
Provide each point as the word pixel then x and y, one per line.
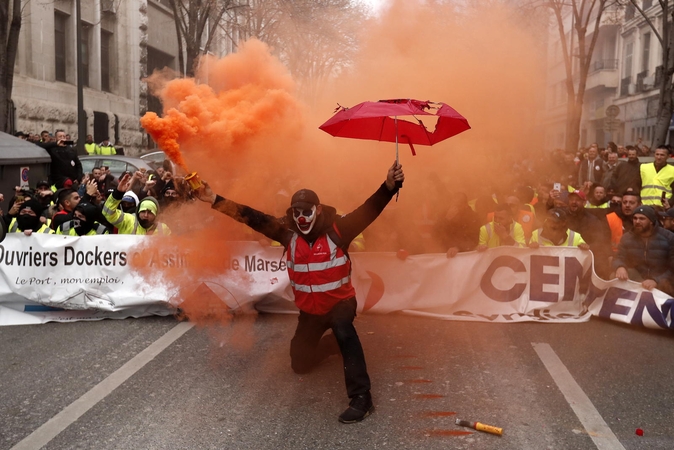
pixel 316 240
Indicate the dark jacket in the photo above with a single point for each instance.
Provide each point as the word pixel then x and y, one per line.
pixel 282 229
pixel 653 258
pixel 627 175
pixel 587 170
pixel 597 234
pixel 462 231
pixel 65 164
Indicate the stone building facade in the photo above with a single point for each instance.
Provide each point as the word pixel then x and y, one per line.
pixel 624 73
pixel 123 41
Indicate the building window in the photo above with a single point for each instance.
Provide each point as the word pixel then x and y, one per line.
pixel 86 31
pixel 627 68
pixel 60 22
pixel 106 40
pixel 645 55
pixel 647 4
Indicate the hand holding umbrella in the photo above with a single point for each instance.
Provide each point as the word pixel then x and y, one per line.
pixel 395 175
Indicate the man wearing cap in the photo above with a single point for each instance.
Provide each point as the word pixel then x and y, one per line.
pixel 657 179
pixel 555 233
pixel 143 221
pixel 106 148
pixel 646 253
pixel 667 219
pixel 316 240
pixel 28 219
pixel 44 194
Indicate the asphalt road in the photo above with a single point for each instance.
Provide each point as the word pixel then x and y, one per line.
pixel 549 386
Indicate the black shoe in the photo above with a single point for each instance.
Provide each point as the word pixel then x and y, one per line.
pixel 359 408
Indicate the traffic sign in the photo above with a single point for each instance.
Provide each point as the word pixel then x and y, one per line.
pixel 612 111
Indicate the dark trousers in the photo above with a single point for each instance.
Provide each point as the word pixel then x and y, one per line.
pixel 305 352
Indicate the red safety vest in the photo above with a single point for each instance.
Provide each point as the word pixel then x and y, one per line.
pixel 320 276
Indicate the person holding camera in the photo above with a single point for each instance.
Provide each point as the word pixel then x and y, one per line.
pixel 65 164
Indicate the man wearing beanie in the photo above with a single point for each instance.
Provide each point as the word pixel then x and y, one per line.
pixel 646 253
pixel 142 221
pixel 28 219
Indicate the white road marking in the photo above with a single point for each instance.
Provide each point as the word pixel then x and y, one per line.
pixel 594 424
pixel 61 421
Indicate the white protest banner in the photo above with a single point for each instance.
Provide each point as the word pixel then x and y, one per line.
pixel 90 279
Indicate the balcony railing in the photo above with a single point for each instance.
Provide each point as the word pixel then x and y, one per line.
pixel 603 64
pixel 625 86
pixel 640 81
pixel 658 76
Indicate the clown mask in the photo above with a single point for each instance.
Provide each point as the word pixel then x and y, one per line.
pixel 305 219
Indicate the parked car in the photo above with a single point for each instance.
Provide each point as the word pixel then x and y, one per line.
pixel 117 164
pixel 155 159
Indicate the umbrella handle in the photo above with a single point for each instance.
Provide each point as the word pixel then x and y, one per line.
pixel 399 184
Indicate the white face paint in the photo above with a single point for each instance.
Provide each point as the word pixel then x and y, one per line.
pixel 305 219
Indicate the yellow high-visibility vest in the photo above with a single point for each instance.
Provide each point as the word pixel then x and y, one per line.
pixel 653 183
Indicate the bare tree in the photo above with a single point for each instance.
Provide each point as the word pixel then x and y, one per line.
pixel 586 16
pixel 315 39
pixel 9 43
pixel 196 23
pixel 665 35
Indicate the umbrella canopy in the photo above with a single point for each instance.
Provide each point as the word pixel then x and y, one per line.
pixel 379 121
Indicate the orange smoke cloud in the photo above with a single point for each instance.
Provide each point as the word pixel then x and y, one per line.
pixel 241 125
pixel 232 103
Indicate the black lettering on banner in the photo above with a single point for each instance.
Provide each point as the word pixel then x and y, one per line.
pixel 499 295
pixel 593 293
pixel 250 264
pixel 122 258
pixel 610 304
pixel 69 256
pixel 573 274
pixel 539 278
pixel 53 259
pixel 647 301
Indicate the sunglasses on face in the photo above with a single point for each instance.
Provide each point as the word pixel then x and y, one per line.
pixel 302 212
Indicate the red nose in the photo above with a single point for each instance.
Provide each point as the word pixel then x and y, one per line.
pixel 302 220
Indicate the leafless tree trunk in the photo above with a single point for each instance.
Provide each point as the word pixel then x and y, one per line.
pixel 583 13
pixel 9 42
pixel 196 22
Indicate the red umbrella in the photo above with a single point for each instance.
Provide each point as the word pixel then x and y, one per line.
pixel 379 121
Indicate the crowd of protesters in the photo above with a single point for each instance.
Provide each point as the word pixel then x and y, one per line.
pixel 75 203
pixel 604 200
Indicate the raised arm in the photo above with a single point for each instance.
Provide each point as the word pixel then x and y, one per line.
pixel 352 224
pixel 270 226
